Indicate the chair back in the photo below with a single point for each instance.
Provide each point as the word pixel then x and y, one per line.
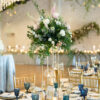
pixel 91 82
pixel 19 81
pixel 75 77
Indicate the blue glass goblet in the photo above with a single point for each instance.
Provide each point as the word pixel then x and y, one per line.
pixel 80 86
pixel 85 68
pixel 35 96
pixel 95 69
pixel 16 92
pixel 55 85
pixel 82 66
pixel 84 93
pixel 27 86
pixel 66 97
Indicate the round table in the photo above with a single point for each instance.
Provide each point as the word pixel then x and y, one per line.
pixel 7 71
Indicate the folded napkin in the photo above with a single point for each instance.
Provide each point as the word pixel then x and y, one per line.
pixel 1 91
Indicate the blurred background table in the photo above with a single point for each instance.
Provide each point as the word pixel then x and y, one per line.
pixel 7 71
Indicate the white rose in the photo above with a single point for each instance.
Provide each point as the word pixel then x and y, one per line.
pixel 53 42
pixel 62 33
pixel 33 33
pixel 36 36
pixel 1 46
pixel 52 29
pixel 49 39
pixel 58 22
pixel 46 21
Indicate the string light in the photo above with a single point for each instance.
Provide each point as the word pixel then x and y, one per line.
pixel 98 5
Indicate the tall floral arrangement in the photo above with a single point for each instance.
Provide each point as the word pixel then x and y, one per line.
pixel 50 32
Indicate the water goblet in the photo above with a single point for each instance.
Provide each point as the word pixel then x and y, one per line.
pixel 84 93
pixel 95 69
pixel 16 92
pixel 27 86
pixel 35 96
pixel 80 86
pixel 55 85
pixel 82 66
pixel 66 97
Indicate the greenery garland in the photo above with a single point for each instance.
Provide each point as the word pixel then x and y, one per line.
pixel 87 3
pixel 83 31
pixel 15 4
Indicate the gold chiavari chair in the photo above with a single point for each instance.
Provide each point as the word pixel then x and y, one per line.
pixel 75 77
pixel 19 81
pixel 91 83
pixel 98 73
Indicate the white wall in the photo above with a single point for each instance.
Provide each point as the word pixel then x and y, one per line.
pixel 17 24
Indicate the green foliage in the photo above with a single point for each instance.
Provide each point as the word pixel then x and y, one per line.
pixel 15 4
pixel 87 3
pixel 83 31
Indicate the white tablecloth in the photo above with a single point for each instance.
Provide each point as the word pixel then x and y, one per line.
pixel 7 71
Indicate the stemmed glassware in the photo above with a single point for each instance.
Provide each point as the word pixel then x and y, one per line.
pixel 27 86
pixel 84 93
pixel 16 92
pixel 35 96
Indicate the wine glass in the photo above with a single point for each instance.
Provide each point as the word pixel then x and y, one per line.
pixel 55 85
pixel 84 93
pixel 16 92
pixel 27 86
pixel 80 86
pixel 66 97
pixel 35 96
pixel 95 69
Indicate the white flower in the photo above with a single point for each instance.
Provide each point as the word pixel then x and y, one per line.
pixel 52 29
pixel 50 39
pixel 33 33
pixel 62 33
pixel 71 40
pixel 58 22
pixel 1 46
pixel 55 15
pixel 36 36
pixel 53 42
pixel 46 21
pixel 68 27
pixel 70 33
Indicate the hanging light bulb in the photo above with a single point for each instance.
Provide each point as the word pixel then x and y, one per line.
pixel 92 6
pixel 98 5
